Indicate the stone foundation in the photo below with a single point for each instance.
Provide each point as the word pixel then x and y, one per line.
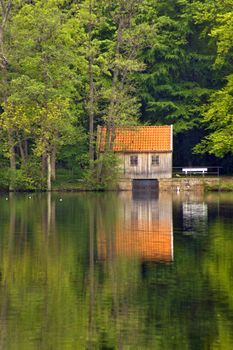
pixel 187 184
pixel 125 185
pixel 176 185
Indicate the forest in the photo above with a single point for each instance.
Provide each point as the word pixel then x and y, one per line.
pixel 67 66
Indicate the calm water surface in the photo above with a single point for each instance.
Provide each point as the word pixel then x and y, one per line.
pixel 116 271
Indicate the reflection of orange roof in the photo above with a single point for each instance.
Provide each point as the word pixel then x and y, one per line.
pixel 153 245
pixel 139 139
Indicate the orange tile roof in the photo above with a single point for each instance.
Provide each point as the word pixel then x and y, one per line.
pixel 139 139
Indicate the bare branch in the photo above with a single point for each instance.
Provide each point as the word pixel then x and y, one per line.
pixel 3 7
pixel 6 8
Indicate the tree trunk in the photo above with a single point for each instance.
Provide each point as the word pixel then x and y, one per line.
pixel 91 85
pixel 12 161
pixel 25 146
pixel 2 66
pixel 12 158
pixel 91 114
pixel 43 164
pixel 3 62
pixel 110 130
pixel 5 11
pixel 22 153
pixel 53 164
pixel 49 172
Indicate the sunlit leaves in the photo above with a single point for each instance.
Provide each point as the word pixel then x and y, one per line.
pixel 219 117
pixel 54 125
pixel 219 113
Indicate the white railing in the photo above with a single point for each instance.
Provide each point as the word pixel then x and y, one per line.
pixel 195 171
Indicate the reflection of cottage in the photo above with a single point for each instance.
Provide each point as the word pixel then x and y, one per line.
pixel 144 230
pixel 145 151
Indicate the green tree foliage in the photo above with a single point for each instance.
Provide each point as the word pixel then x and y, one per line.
pixel 178 78
pixel 67 67
pixel 218 114
pixel 44 53
pixel 219 117
pixel 131 35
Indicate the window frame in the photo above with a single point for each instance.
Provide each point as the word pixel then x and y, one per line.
pixel 155 160
pixel 133 160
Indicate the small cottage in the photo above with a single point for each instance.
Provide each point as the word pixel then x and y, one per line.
pixel 145 151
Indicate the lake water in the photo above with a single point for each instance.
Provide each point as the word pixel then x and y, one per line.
pixel 116 271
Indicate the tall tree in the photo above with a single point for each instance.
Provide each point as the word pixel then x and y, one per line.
pixel 92 19
pixel 131 35
pixel 218 114
pixel 46 63
pixel 5 12
pixel 178 78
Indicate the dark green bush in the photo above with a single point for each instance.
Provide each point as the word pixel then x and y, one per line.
pixel 103 173
pixel 28 177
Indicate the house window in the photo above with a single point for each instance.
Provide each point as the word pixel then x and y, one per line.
pixel 133 160
pixel 155 160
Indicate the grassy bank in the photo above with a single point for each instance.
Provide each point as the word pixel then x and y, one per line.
pixel 67 180
pixel 222 184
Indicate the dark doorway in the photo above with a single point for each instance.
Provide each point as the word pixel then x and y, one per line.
pixel 145 185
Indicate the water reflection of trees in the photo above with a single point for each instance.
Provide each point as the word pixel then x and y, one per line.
pixel 73 276
pixel 38 274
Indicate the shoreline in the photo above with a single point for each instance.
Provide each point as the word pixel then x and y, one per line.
pixel 184 184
